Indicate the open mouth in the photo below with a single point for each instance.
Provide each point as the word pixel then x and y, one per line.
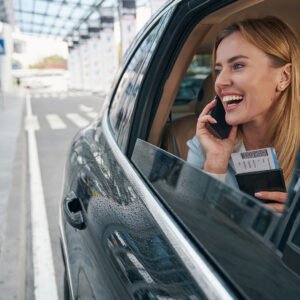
pixel 232 100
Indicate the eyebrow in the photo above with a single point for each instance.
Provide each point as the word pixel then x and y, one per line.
pixel 232 59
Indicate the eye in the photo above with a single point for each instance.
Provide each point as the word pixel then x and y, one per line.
pixel 217 71
pixel 238 66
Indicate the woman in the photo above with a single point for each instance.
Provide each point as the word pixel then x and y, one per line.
pixel 257 65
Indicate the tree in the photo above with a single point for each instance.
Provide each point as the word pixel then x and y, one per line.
pixel 16 64
pixel 51 62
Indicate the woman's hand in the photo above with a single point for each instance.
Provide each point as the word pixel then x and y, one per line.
pixel 217 151
pixel 279 197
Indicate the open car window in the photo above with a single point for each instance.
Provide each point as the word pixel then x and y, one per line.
pixel 180 103
pixel 235 231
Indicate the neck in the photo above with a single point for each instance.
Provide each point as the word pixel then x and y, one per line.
pixel 254 136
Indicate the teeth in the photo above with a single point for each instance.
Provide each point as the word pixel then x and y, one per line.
pixel 230 98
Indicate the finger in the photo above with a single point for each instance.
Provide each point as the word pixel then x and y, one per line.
pixel 208 107
pixel 206 119
pixel 278 207
pixel 276 196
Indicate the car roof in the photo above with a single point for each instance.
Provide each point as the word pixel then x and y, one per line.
pixel 287 10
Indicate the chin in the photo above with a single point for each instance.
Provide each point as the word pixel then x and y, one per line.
pixel 233 122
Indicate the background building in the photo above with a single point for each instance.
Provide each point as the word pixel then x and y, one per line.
pixel 93 36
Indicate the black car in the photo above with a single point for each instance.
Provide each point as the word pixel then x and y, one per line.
pixel 137 221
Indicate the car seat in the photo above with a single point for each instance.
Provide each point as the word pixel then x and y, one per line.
pixel 178 132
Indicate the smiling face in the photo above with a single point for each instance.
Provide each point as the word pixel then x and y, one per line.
pixel 246 81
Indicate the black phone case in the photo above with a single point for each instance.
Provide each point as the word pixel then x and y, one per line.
pixel 221 130
pixel 268 180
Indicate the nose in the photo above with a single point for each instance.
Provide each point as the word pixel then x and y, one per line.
pixel 223 79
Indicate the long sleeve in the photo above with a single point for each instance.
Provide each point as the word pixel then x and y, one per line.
pixel 195 155
pixel 196 158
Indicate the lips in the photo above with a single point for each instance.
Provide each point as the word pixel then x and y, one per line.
pixel 231 101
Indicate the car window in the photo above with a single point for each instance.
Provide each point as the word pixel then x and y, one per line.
pixel 191 89
pixel 195 91
pixel 232 228
pixel 121 110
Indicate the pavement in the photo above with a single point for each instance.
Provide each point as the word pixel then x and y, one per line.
pixel 13 196
pixel 11 118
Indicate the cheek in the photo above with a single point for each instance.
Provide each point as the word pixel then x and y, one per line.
pixel 260 90
pixel 266 92
pixel 245 82
pixel 265 84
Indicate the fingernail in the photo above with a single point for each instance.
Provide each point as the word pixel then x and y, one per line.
pixel 258 194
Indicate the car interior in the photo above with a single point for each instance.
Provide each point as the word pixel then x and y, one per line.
pixel 190 85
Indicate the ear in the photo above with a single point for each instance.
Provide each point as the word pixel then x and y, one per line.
pixel 285 77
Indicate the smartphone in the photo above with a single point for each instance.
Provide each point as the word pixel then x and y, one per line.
pixel 221 130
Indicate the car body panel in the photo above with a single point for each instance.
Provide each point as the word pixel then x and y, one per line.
pixel 122 251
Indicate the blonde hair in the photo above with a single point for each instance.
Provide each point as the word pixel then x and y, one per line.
pixel 280 43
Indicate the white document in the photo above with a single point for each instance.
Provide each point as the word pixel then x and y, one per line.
pixel 255 160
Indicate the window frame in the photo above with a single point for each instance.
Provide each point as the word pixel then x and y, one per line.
pixel 133 80
pixel 169 7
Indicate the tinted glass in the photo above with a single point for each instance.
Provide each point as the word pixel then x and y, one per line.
pixel 129 86
pixel 191 84
pixel 195 89
pixel 231 227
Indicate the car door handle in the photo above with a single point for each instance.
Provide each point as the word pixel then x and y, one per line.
pixel 74 211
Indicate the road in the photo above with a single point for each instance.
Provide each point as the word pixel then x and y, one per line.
pixel 58 117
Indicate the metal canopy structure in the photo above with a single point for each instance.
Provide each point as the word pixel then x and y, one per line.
pixel 6 11
pixel 55 18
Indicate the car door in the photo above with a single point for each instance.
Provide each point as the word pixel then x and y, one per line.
pixel 115 248
pixel 131 224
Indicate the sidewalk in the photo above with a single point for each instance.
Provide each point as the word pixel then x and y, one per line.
pixel 11 119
